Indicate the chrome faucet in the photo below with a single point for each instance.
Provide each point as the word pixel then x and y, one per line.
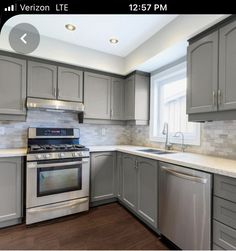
pixel 177 134
pixel 165 131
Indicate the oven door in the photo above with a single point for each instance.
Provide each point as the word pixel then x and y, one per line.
pixel 56 180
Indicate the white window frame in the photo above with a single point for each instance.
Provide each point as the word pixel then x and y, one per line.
pixel 156 80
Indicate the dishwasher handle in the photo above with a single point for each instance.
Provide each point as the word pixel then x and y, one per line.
pixel 185 176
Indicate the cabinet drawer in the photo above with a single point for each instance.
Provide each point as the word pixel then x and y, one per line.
pixel 225 212
pixel 216 247
pixel 224 236
pixel 225 187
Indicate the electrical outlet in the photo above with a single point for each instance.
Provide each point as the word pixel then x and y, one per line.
pixel 103 132
pixel 2 131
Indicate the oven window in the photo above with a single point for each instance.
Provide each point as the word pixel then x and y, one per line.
pixel 53 180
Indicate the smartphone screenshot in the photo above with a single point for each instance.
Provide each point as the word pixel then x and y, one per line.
pixel 117 125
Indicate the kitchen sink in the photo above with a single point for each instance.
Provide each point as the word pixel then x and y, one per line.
pixel 155 151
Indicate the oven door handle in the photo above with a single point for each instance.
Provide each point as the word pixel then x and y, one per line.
pixel 58 164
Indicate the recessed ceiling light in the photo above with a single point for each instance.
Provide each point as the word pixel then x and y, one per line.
pixel 70 27
pixel 113 40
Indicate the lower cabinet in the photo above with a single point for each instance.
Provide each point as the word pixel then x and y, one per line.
pixel 10 191
pixel 103 176
pixel 139 187
pixel 224 213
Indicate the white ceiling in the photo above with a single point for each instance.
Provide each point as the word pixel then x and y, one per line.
pixel 94 31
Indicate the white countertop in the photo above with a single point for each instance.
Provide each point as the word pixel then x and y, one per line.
pixel 206 163
pixel 15 152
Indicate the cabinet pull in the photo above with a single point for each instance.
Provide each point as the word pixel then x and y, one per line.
pixel 58 91
pixel 136 164
pixel 111 112
pixel 55 92
pixel 214 98
pixel 219 94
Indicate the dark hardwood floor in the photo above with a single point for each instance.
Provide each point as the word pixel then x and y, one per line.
pixel 105 227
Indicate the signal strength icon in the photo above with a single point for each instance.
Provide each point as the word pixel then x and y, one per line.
pixel 10 8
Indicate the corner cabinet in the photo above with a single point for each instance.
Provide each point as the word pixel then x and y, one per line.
pixel 138 184
pixel 13 88
pixel 211 89
pixel 103 176
pixel 137 87
pixel 10 191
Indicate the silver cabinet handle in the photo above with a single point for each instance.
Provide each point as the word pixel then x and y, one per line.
pixel 219 94
pixel 55 92
pixel 58 164
pixel 185 176
pixel 58 92
pixel 214 98
pixel 112 112
pixel 53 207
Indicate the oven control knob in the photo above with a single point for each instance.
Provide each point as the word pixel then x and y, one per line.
pixel 61 155
pixel 39 156
pixel 75 154
pixel 47 156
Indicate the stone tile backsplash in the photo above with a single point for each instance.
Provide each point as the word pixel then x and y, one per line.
pixel 16 132
pixel 217 138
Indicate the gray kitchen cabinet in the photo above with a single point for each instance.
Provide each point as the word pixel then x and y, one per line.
pixel 139 186
pixel 42 80
pixel 137 98
pixel 129 179
pixel 103 178
pixel 10 191
pixel 13 88
pixel 130 98
pixel 147 192
pixel 224 236
pixel 117 99
pixel 202 57
pixel 70 84
pixel 119 166
pixel 97 99
pixel 227 65
pixel 224 212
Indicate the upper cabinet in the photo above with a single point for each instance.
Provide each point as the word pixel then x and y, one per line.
pixel 137 87
pixel 202 74
pixel 70 84
pixel 42 80
pixel 211 59
pixel 227 67
pixel 52 82
pixel 13 88
pixel 97 96
pixel 117 99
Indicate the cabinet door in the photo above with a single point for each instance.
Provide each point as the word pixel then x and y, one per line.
pixel 130 98
pixel 119 176
pixel 70 84
pixel 97 96
pixel 202 60
pixel 117 99
pixel 227 67
pixel 147 190
pixel 129 181
pixel 42 80
pixel 103 181
pixel 10 189
pixel 12 86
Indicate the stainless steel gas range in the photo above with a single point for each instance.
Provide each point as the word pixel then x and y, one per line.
pixel 57 176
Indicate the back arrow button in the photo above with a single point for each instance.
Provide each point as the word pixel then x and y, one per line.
pixel 23 38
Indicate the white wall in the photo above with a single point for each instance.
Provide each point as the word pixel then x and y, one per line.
pixel 60 51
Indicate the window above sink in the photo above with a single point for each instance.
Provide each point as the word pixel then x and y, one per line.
pixel 168 105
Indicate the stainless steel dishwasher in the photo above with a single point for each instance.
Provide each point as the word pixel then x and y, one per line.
pixel 185 206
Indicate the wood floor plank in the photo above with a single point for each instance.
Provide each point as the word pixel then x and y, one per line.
pixel 109 227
